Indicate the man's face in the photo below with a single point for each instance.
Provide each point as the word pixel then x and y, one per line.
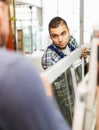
pixel 60 36
pixel 4 24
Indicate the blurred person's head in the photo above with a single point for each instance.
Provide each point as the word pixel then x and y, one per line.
pixel 4 22
pixel 59 32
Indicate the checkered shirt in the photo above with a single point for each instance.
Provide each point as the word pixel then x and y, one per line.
pixel 62 86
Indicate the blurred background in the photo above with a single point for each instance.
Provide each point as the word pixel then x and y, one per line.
pixel 30 18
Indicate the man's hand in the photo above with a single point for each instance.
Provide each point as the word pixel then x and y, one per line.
pixel 84 53
pixel 47 85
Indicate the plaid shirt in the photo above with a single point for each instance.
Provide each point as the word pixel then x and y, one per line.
pixel 62 86
pixel 50 57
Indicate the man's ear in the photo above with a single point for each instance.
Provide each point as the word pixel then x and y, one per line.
pixel 1 20
pixel 69 31
pixel 1 8
pixel 50 37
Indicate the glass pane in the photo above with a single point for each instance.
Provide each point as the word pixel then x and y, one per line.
pixel 27 39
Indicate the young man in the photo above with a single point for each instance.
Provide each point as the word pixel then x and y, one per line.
pixel 62 44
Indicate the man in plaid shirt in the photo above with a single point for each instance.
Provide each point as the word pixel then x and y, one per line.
pixel 62 44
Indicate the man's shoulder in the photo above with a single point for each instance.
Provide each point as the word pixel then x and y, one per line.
pixel 15 60
pixel 73 41
pixel 50 46
pixel 71 37
pixel 50 49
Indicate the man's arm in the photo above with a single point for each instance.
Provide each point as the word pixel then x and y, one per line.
pixel 47 85
pixel 84 52
pixel 49 58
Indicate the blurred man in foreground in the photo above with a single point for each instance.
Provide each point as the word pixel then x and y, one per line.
pixel 24 103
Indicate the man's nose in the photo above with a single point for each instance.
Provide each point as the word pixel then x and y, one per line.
pixel 60 38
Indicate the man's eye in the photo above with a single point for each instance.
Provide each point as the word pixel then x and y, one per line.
pixel 54 36
pixel 64 33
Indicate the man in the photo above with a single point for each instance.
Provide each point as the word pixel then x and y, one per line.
pixel 62 44
pixel 61 40
pixel 24 104
pixel 23 101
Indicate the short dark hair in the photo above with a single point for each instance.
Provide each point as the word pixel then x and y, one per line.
pixel 56 21
pixel 5 1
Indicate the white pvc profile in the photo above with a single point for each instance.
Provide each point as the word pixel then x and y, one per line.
pixel 61 66
pixel 91 87
pixel 84 117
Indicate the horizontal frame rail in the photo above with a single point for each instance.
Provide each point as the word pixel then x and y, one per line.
pixel 57 69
